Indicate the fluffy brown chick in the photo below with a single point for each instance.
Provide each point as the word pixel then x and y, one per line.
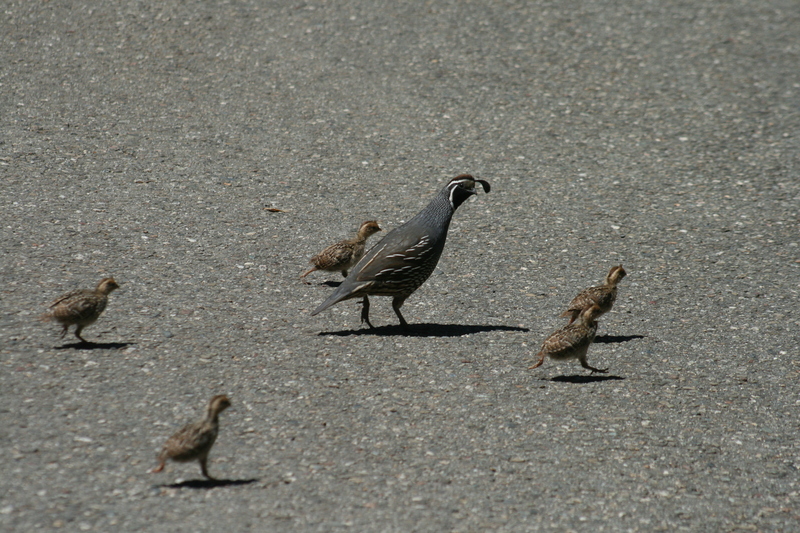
pixel 193 441
pixel 80 307
pixel 573 340
pixel 344 254
pixel 602 296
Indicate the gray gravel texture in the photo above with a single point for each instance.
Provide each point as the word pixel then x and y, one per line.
pixel 147 140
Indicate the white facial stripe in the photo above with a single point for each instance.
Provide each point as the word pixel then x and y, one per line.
pixel 454 185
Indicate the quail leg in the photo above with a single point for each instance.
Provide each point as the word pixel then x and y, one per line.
pixel 365 312
pixel 64 331
pixel 397 303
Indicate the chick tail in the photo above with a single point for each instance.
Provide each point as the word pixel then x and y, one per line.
pixel 572 314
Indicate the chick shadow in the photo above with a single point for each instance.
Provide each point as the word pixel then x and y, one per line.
pixel 423 330
pixel 613 339
pixel 93 345
pixel 582 379
pixel 208 483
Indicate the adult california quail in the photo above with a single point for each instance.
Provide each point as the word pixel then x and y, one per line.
pixel 603 295
pixel 193 441
pixel 344 254
pixel 573 340
pixel 406 257
pixel 80 307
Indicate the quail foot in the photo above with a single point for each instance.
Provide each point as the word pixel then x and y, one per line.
pixel 573 340
pixel 81 307
pixel 344 254
pixel 401 262
pixel 603 296
pixel 193 441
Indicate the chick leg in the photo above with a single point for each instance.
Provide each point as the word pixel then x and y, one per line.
pixel 203 461
pixel 78 334
pixel 306 274
pixel 539 362
pixel 585 364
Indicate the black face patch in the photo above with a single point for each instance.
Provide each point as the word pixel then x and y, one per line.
pixel 462 187
pixel 460 190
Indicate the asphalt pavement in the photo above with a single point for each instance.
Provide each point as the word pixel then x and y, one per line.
pixel 201 152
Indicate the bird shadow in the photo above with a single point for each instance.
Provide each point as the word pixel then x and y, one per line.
pixel 93 345
pixel 611 339
pixel 424 330
pixel 582 379
pixel 327 283
pixel 208 483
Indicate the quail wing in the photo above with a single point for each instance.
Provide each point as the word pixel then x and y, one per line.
pixel 406 252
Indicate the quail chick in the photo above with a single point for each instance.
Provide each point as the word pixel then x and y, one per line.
pixel 573 340
pixel 81 307
pixel 401 262
pixel 193 441
pixel 344 254
pixel 603 295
